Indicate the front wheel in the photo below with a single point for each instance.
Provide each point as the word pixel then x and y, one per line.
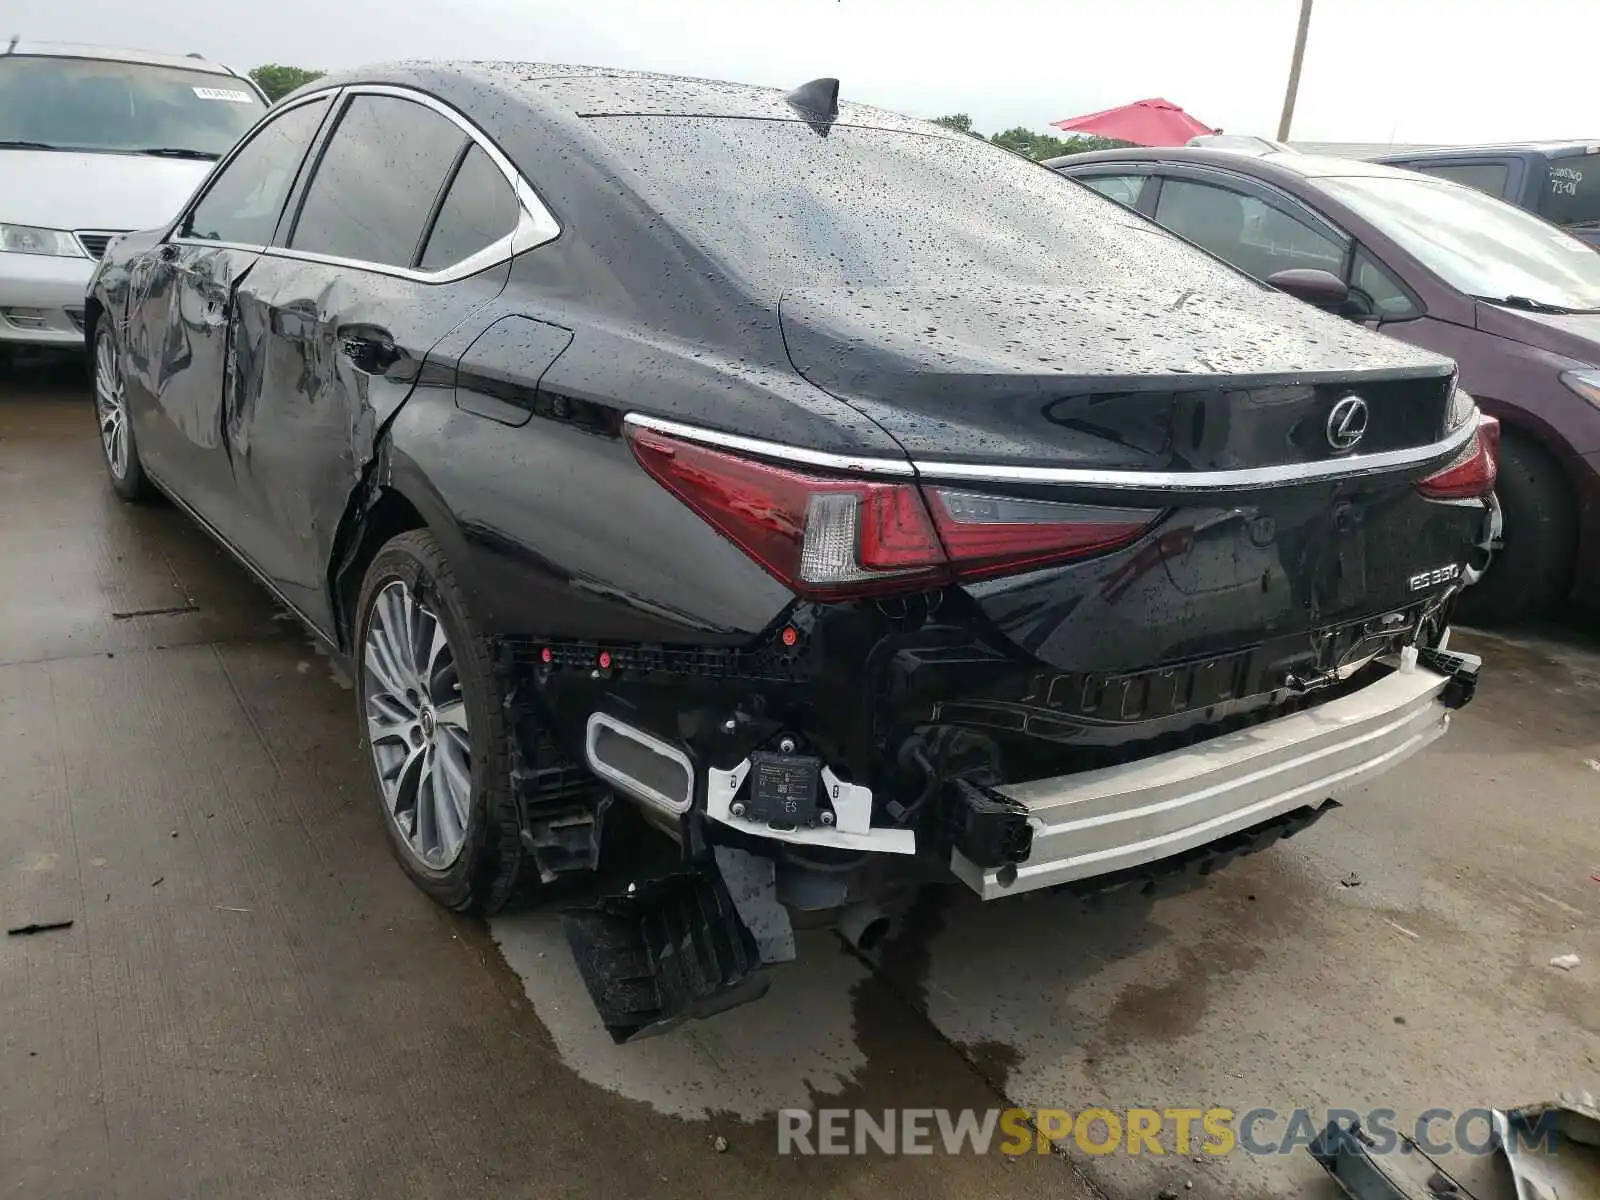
pixel 117 444
pixel 433 712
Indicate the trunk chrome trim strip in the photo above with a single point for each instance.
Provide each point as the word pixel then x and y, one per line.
pixel 1243 479
pixel 862 463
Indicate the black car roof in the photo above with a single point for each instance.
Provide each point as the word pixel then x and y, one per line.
pixel 587 91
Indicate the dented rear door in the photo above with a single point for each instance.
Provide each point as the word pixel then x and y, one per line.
pixel 335 352
pixel 394 243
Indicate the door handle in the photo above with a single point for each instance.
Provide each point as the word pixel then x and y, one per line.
pixel 371 350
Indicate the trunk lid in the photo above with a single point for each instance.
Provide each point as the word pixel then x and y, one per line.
pixel 1127 378
pixel 1221 418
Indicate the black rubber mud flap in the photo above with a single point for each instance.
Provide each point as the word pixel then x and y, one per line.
pixel 669 950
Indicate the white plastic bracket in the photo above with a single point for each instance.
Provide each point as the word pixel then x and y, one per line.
pixel 852 808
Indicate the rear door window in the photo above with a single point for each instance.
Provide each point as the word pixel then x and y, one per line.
pixel 478 210
pixel 245 199
pixel 1488 177
pixel 377 182
pixel 1124 189
pixel 1258 238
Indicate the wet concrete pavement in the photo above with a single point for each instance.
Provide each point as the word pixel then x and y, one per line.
pixel 254 1001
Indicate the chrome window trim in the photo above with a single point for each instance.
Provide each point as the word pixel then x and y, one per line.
pixel 536 224
pixel 206 243
pixel 1243 479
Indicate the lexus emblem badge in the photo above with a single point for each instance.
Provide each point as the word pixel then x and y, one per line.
pixel 1347 423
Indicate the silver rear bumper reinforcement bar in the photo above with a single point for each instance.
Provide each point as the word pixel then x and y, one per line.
pixel 1108 820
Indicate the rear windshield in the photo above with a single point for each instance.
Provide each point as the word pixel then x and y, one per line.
pixel 785 206
pixel 95 104
pixel 1571 193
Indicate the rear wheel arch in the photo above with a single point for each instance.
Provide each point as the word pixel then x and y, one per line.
pixel 396 499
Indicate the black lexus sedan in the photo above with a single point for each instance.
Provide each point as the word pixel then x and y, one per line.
pixel 856 502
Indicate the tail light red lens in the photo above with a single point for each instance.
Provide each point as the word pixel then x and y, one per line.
pixel 829 537
pixel 1473 473
pixel 822 536
pixel 993 535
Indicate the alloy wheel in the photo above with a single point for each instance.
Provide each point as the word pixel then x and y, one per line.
pixel 109 404
pixel 417 725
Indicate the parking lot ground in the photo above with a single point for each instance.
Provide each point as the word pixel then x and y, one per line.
pixel 253 1001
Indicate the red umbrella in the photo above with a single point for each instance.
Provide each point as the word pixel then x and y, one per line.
pixel 1144 122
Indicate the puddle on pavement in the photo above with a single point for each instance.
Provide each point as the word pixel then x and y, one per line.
pixel 341 677
pixel 785 1050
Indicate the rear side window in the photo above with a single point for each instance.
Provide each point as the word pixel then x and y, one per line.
pixel 377 181
pixel 1124 189
pixel 246 198
pixel 479 209
pixel 1486 177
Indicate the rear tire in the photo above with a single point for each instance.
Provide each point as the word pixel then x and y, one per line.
pixel 1532 572
pixel 428 716
pixel 117 444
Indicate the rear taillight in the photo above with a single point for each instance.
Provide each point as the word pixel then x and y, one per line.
pixel 821 535
pixel 1473 472
pixel 993 535
pixel 833 536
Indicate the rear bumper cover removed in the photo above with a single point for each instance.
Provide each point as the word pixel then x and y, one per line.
pixel 1109 820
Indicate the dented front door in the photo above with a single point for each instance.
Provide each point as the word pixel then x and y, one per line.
pixel 327 354
pixel 185 319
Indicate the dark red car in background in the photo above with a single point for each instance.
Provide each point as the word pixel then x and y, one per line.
pixel 1512 298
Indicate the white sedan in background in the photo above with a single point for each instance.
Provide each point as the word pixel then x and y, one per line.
pixel 95 142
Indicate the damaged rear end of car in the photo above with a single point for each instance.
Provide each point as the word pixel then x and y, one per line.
pixel 1144 649
pixel 922 516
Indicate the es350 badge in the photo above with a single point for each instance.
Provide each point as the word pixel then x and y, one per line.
pixel 1423 580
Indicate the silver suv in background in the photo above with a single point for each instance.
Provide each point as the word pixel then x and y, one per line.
pixel 95 142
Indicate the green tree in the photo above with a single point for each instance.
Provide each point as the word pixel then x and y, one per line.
pixel 1039 146
pixel 959 122
pixel 1026 142
pixel 277 81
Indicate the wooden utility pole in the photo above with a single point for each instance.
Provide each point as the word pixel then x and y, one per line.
pixel 1294 71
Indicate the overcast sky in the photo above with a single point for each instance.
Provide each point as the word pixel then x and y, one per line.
pixel 1376 70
